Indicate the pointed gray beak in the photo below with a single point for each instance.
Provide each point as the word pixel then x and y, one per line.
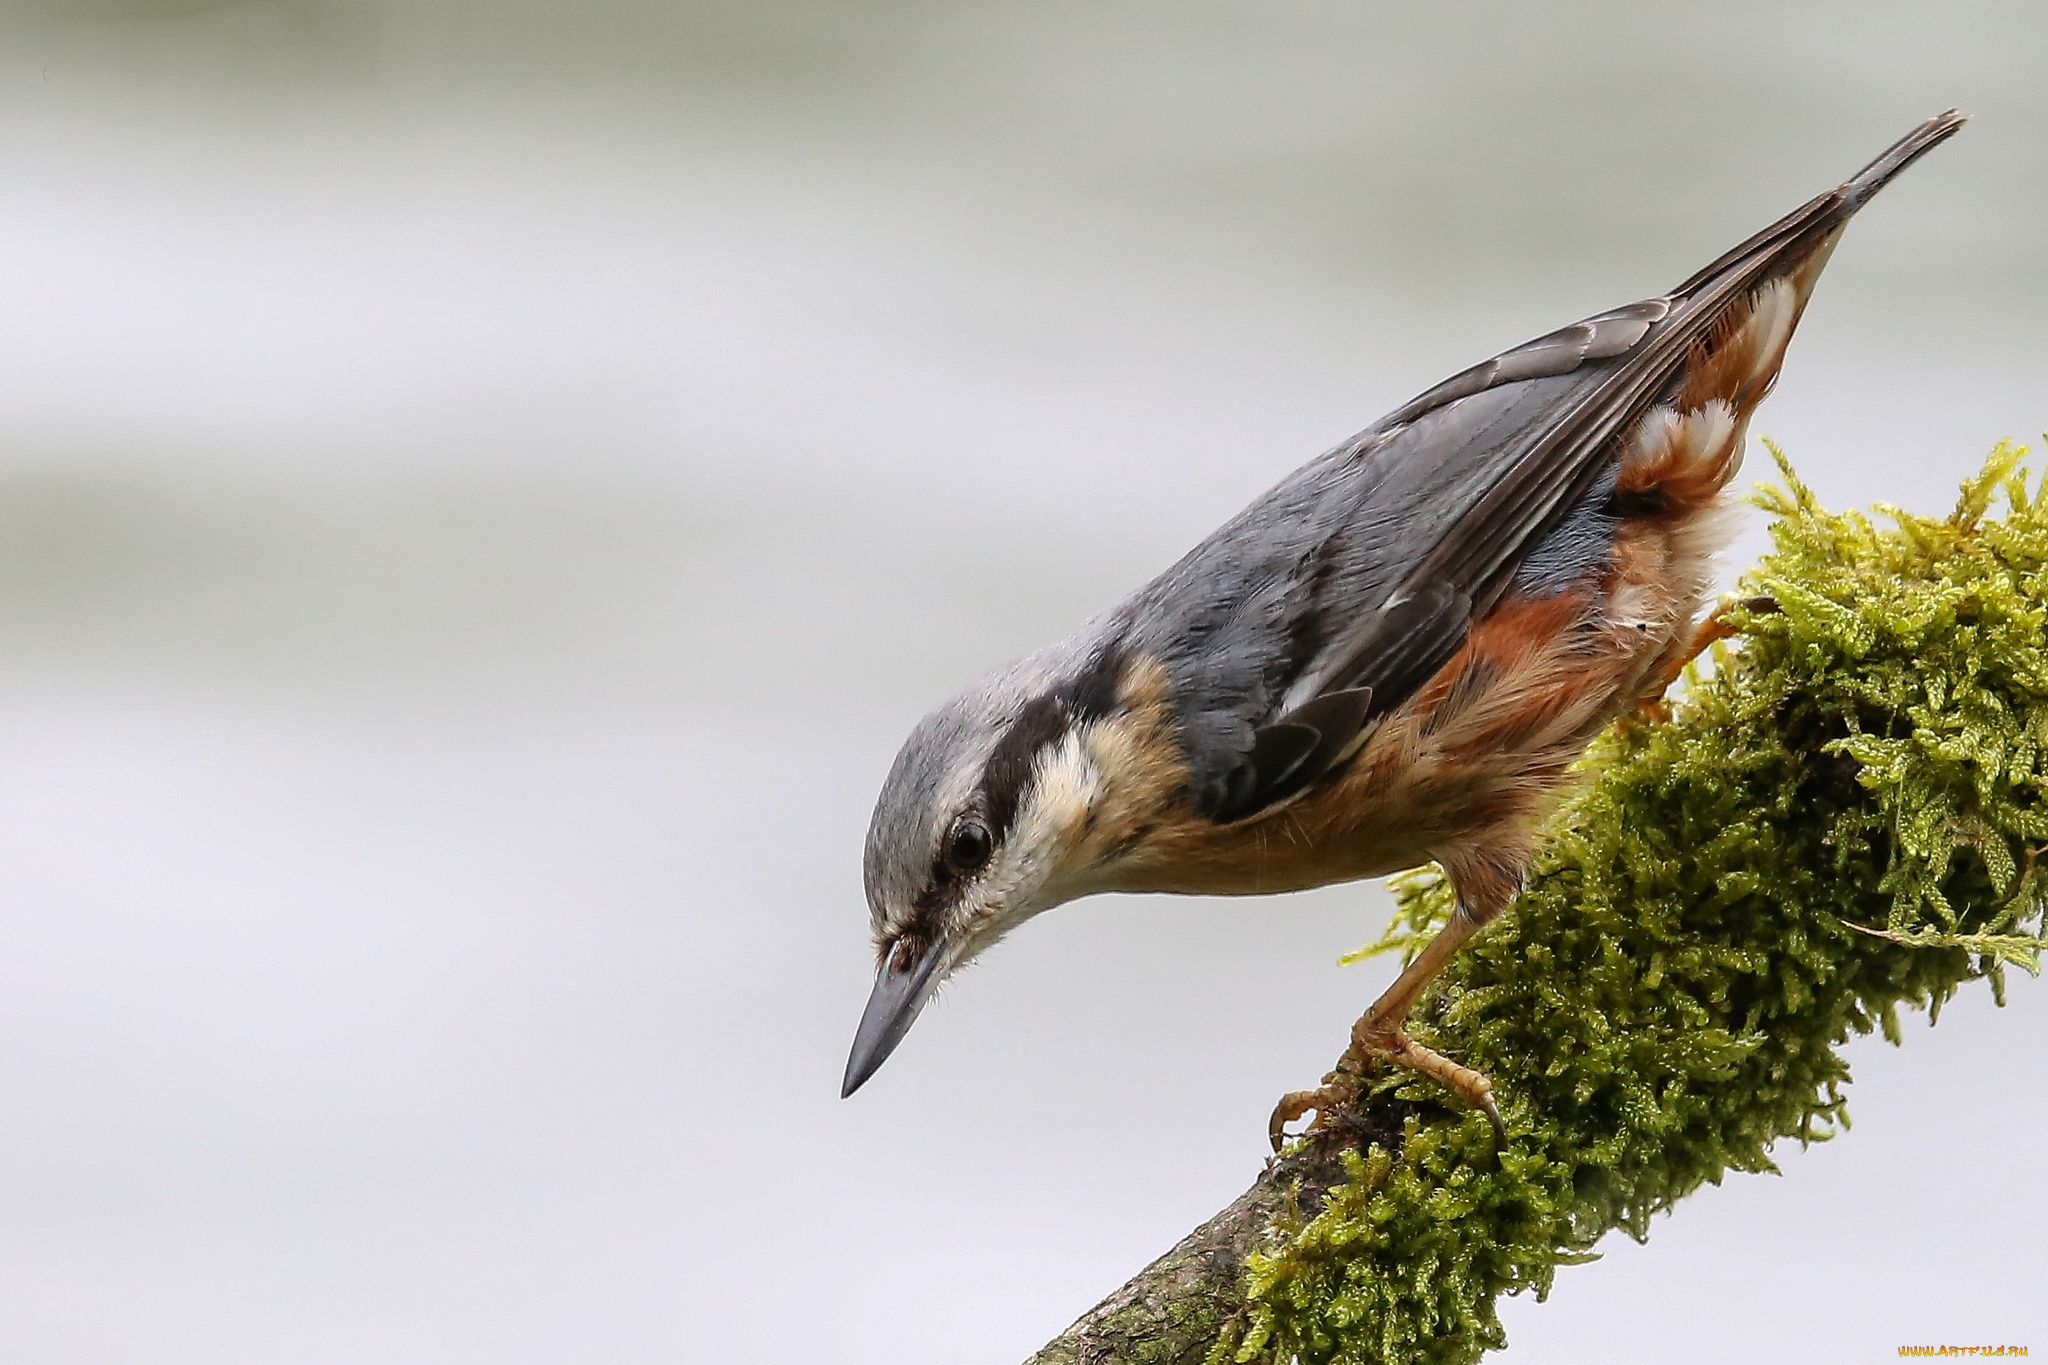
pixel 892 1009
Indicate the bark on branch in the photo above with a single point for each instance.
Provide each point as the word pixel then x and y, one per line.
pixel 1176 1309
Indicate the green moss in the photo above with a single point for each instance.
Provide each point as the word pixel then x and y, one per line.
pixel 1843 818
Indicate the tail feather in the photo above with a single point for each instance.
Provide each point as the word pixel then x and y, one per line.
pixel 1560 467
pixel 1856 192
pixel 1826 212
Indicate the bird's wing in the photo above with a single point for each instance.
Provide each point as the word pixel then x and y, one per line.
pixel 1420 540
pixel 1453 491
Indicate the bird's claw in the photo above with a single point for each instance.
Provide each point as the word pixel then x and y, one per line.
pixel 1372 1037
pixel 1492 1112
pixel 1323 1102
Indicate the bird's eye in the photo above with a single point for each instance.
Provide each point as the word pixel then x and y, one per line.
pixel 968 847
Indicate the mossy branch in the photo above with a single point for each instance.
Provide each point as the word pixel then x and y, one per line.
pixel 1846 816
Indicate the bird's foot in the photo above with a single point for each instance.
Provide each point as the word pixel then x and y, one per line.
pixel 1336 1091
pixel 1374 1038
pixel 1705 636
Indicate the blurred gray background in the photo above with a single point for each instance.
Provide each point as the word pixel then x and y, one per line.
pixel 485 487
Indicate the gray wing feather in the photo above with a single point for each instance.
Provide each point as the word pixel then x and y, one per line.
pixel 1597 338
pixel 1328 602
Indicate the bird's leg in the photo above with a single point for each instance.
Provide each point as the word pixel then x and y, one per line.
pixel 1485 886
pixel 1708 633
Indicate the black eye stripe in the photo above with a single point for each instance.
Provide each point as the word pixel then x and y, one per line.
pixel 1009 767
pixel 1006 778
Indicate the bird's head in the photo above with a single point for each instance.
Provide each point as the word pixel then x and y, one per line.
pixel 1004 802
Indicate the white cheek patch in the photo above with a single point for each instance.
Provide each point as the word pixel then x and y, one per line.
pixel 1063 793
pixel 1067 786
pixel 1027 875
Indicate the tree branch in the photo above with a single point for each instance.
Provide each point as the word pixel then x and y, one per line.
pixel 1843 818
pixel 1177 1308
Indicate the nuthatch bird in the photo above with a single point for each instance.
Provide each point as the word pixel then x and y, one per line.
pixel 1392 657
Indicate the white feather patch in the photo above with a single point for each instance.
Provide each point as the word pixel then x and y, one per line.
pixel 1672 442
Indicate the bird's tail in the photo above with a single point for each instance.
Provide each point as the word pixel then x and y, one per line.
pixel 1803 228
pixel 1856 192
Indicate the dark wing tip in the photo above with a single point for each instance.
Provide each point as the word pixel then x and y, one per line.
pixel 1292 752
pixel 1279 753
